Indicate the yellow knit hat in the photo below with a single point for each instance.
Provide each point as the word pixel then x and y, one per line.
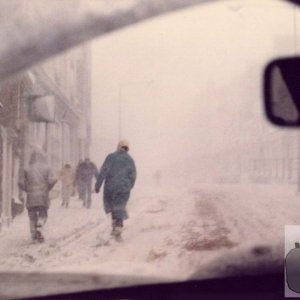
pixel 123 144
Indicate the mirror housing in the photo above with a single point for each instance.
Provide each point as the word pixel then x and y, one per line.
pixel 282 92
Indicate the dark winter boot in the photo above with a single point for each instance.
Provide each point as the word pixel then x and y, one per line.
pixel 118 234
pixel 114 225
pixel 34 237
pixel 39 228
pixel 39 237
pixel 117 227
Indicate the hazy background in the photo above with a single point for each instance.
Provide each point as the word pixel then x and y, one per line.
pixel 178 87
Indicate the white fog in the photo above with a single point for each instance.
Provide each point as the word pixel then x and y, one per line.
pixel 216 182
pixel 182 87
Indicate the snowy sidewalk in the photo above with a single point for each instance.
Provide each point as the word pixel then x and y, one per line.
pixel 73 234
pixel 63 226
pixel 159 236
pixel 203 231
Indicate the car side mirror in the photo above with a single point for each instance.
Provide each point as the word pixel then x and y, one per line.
pixel 282 92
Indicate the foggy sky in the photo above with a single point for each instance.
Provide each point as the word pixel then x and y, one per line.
pixel 177 84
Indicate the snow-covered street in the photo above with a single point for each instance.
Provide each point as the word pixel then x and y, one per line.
pixel 198 232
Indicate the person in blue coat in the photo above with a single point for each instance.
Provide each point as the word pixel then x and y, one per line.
pixel 118 173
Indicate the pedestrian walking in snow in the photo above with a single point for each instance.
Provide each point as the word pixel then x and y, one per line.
pixel 85 172
pixel 67 177
pixel 37 180
pixel 119 174
pixel 79 187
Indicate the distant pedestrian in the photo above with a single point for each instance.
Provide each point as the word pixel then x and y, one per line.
pixel 119 174
pixel 67 177
pixel 37 180
pixel 85 172
pixel 80 189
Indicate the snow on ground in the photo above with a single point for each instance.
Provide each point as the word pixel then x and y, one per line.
pixel 171 234
pixel 73 236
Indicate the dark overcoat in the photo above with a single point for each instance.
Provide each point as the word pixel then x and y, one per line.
pixel 85 172
pixel 119 174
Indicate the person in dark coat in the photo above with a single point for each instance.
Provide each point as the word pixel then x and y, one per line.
pixel 85 172
pixel 119 173
pixel 37 181
pixel 80 189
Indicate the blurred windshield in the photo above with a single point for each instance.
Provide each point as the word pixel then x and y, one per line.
pixel 216 183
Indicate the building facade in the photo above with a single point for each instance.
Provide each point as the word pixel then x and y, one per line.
pixel 45 108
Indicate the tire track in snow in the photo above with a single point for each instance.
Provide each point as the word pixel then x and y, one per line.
pixel 228 221
pixel 246 213
pixel 210 231
pixel 75 235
